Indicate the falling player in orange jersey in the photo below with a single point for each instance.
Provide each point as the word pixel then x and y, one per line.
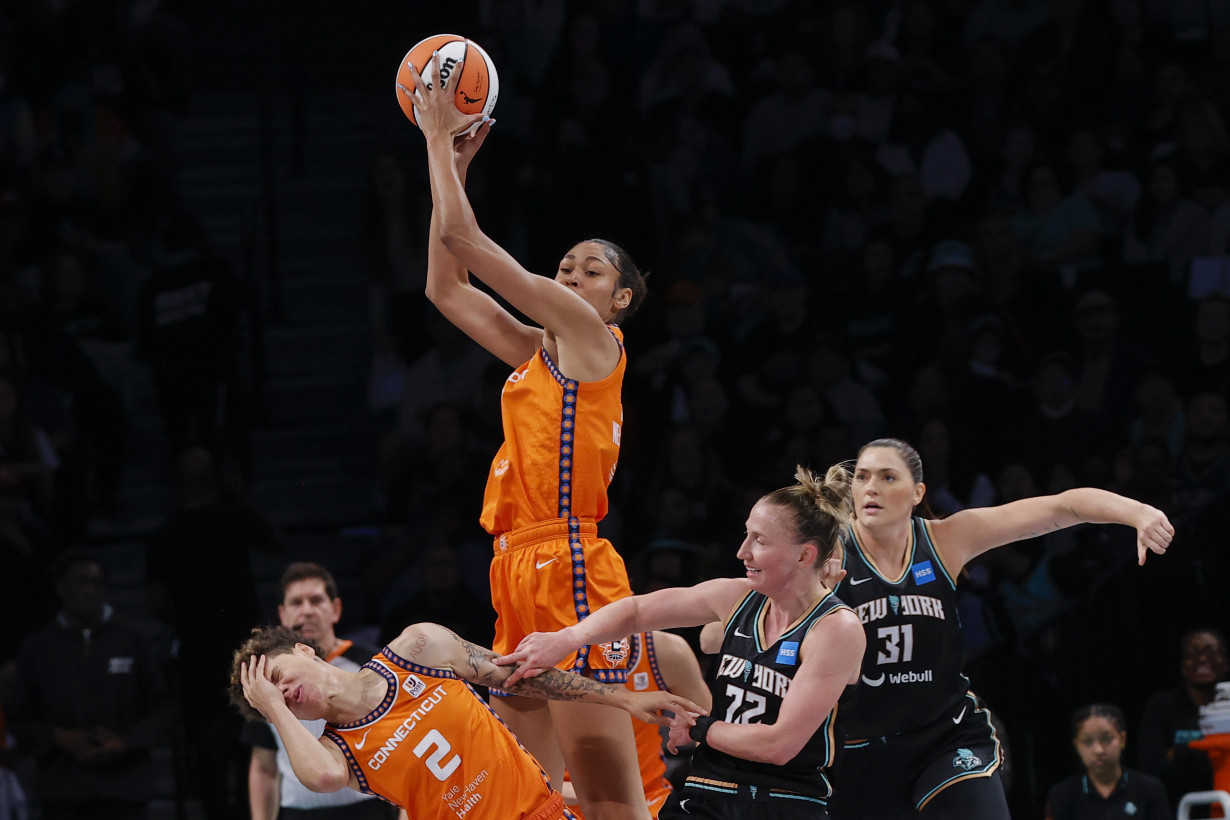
pixel 408 727
pixel 546 490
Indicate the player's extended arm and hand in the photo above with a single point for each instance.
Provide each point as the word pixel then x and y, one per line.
pixel 319 767
pixel 971 532
pixel 475 312
pixel 551 304
pixel 436 646
pixel 663 609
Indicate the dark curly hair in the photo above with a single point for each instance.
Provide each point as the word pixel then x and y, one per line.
pixel 268 641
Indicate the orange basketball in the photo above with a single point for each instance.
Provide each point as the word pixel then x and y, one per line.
pixel 476 89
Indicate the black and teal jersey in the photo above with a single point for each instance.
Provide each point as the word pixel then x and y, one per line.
pixel 911 672
pixel 750 682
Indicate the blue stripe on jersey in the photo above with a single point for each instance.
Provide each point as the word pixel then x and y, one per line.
pixel 397 660
pixel 789 796
pixel 708 788
pixel 653 662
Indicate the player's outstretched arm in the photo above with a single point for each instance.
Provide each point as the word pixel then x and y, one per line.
pixel 436 646
pixel 547 302
pixel 971 532
pixel 663 609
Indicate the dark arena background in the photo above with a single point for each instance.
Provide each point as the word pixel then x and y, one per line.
pixel 999 229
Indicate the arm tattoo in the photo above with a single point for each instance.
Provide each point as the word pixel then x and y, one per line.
pixel 550 685
pixel 555 684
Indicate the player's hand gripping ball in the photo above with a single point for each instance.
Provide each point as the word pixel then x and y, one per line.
pixel 475 90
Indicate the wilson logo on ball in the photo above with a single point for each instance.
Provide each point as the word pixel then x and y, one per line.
pixel 475 73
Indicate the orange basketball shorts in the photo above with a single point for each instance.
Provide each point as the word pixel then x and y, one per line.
pixel 545 577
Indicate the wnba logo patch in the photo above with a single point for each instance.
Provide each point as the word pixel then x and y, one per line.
pixel 615 652
pixel 640 681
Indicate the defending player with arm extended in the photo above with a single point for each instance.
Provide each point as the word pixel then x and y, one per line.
pixel 902 578
pixel 791 651
pixel 439 647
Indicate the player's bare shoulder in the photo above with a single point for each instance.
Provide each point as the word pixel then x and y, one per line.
pixel 425 644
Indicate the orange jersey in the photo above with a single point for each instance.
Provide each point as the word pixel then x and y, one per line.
pixel 561 445
pixel 643 676
pixel 437 750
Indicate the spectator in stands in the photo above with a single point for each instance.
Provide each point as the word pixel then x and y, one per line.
pixel 1172 717
pixel 187 318
pixel 199 580
pixel 1112 191
pixel 1055 430
pixel 1107 788
pixel 794 111
pixel 1158 412
pixel 1058 228
pixel 1204 361
pixel 88 703
pixel 28 463
pixel 1169 229
pixel 309 605
pixel 1108 361
pixel 394 220
pixel 1203 468
pixel 443 597
pixel 1204 152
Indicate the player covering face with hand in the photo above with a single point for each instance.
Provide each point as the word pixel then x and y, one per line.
pixel 408 728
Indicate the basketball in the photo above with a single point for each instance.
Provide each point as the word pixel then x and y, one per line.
pixel 475 91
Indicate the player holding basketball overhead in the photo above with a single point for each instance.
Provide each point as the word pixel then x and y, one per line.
pixel 407 726
pixel 547 488
pixel 917 743
pixel 791 650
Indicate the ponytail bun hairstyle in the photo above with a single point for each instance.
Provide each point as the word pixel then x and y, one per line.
pixel 820 507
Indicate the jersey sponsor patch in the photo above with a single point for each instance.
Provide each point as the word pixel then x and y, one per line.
pixel 788 653
pixel 923 574
pixel 414 686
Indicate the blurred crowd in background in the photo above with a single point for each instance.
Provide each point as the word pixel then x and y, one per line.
pixel 999 229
